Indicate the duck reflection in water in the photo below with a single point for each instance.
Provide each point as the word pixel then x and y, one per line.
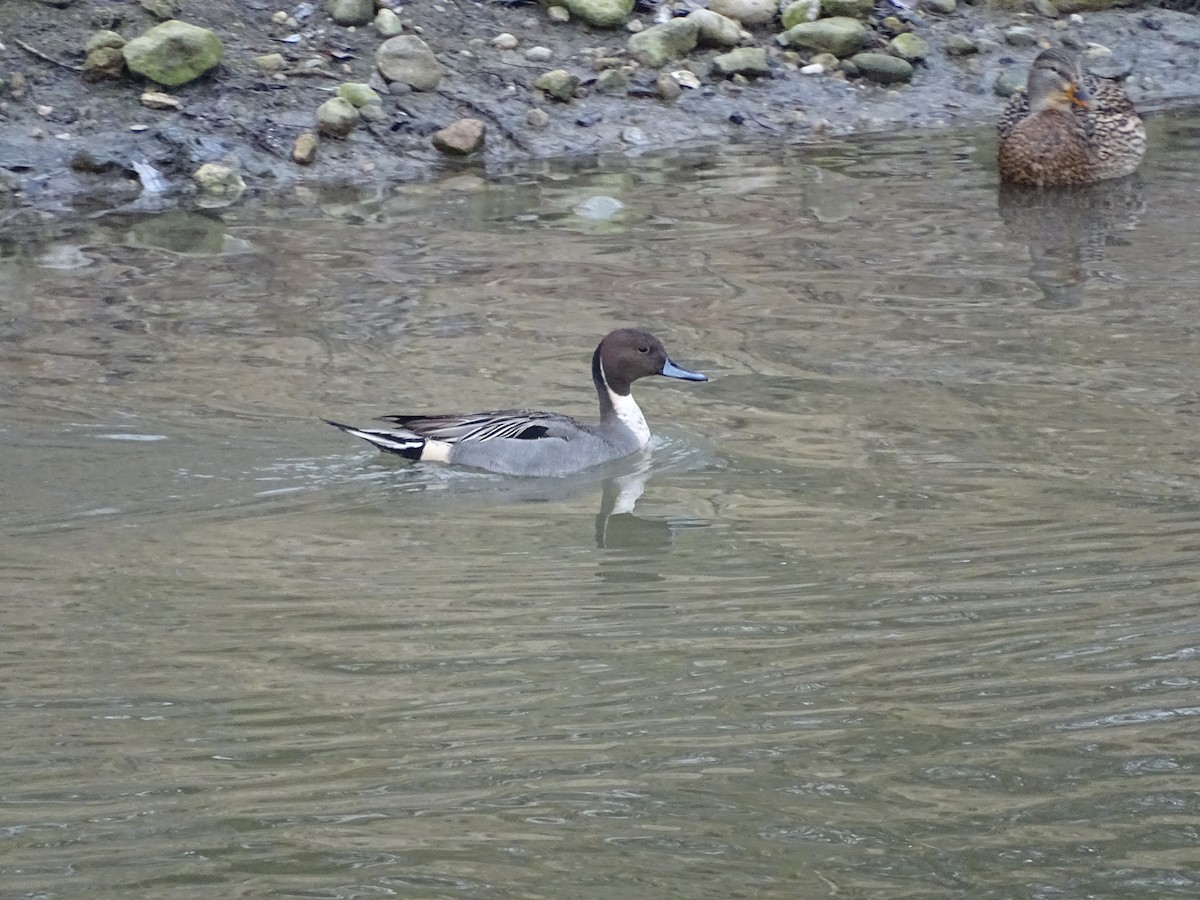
pixel 617 528
pixel 1068 230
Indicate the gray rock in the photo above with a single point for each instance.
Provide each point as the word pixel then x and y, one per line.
pixel 839 35
pixel 943 7
pixel 336 117
pixel 715 29
pixel 960 45
pixel 461 138
pixel 1020 36
pixel 270 62
pixel 1007 82
pixel 602 13
pixel 612 81
pixel 909 46
pixel 219 180
pixel 537 118
pixel 658 45
pixel 743 61
pixel 387 23
pixel 1045 8
pixel 559 84
pixel 559 14
pixel 855 9
pixel 505 41
pixel 103 39
pixel 372 112
pixel 882 68
pixel 667 88
pixel 408 60
pixel 352 12
pixel 104 62
pixel 539 54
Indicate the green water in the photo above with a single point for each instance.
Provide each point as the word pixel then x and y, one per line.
pixel 907 606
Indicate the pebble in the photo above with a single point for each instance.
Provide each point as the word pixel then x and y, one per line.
pixel 537 118
pixel 351 12
pixel 460 138
pixel 909 46
pixel 269 62
pixel 1006 84
pixel 505 41
pixel 743 61
pixel 304 151
pixel 1020 36
pixel 104 62
pixel 612 81
pixel 598 208
pixel 358 95
pixel 214 178
pixel 748 12
pixel 558 83
pixel 408 60
pixel 336 117
pixel 539 54
pixel 160 100
pixel 633 26
pixel 103 39
pixel 279 17
pixel 960 45
pixel 686 78
pixel 387 23
pixel 944 7
pixel 881 68
pixel 667 88
pixel 559 14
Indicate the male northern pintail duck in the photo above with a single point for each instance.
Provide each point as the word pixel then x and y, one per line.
pixel 1068 128
pixel 524 442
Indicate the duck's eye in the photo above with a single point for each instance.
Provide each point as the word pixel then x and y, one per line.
pixel 643 349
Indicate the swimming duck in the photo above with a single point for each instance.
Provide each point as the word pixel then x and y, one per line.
pixel 525 442
pixel 1068 128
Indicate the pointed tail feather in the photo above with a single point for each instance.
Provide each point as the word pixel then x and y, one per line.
pixel 403 443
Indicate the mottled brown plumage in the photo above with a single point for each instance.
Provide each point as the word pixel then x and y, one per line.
pixel 1068 128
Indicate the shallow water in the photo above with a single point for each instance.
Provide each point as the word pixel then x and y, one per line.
pixel 907 606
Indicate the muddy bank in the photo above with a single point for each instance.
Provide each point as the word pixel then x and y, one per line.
pixel 71 141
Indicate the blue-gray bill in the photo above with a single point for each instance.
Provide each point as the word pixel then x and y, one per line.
pixel 670 370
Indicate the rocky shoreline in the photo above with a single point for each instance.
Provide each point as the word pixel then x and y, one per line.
pixel 104 104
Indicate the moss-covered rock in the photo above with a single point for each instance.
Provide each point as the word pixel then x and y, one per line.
pixel 658 45
pixel 882 68
pixel 173 53
pixel 839 35
pixel 602 13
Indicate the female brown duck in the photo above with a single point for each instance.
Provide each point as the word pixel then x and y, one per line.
pixel 1068 128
